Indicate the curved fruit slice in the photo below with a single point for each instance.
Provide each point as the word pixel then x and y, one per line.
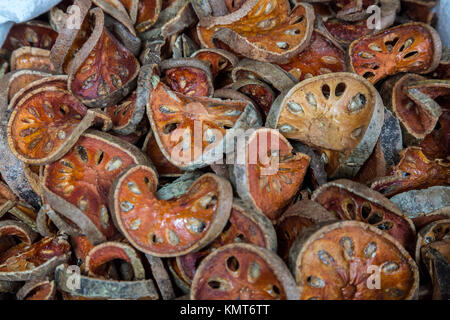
pixel 99 289
pixel 352 10
pixel 192 132
pixel 336 262
pixel 219 60
pixel 435 231
pixel 244 226
pixel 257 91
pixel 162 165
pixel 269 174
pixel 411 47
pixel 177 277
pixel 103 71
pixel 7 199
pixel 15 81
pixel 423 219
pixel 436 257
pixel 126 116
pixel 168 228
pixel 117 10
pixel 35 261
pixel 45 124
pixel 354 201
pixel 144 14
pixel 17 229
pixel 443 69
pixel 101 254
pixel 263 71
pixel 298 217
pixel 34 34
pixel 420 10
pixel 264 30
pixel 189 76
pixel 339 113
pixel 243 272
pixel 77 185
pixel 322 56
pixel 31 58
pixel 414 171
pixel 37 290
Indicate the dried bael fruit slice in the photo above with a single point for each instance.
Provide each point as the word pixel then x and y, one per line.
pixel 420 10
pixel 259 92
pixel 443 69
pixel 354 201
pixel 219 60
pixel 45 124
pixel 189 76
pixel 299 216
pixel 414 171
pixel 244 226
pixel 422 219
pixel 161 277
pixel 37 290
pixel 192 132
pixel 103 71
pixel 10 229
pixel 99 289
pixel 268 174
pixel 411 47
pixel 117 10
pixel 33 262
pixel 77 185
pixel 436 257
pixel 34 34
pixel 332 262
pixel 345 32
pixel 143 13
pixel 177 278
pixel 7 199
pixel 322 56
pixel 31 58
pixel 243 271
pixel 264 30
pixel 435 231
pixel 340 113
pixel 125 116
pixel 352 10
pixel 174 227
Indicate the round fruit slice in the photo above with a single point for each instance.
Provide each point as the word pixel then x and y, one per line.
pixel 414 171
pixel 37 290
pixel 411 47
pixel 31 58
pixel 299 216
pixel 340 113
pixel 337 261
pixel 268 175
pixel 103 71
pixel 192 132
pixel 189 76
pixel 35 261
pixel 354 201
pixel 243 271
pixel 45 124
pixel 174 227
pixel 77 185
pixel 264 30
pixel 435 231
pixel 34 34
pixel 244 226
pixel 322 56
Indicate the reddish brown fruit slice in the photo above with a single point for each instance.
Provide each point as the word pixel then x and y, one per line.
pixel 7 199
pixel 346 32
pixel 354 201
pixel 436 257
pixel 77 185
pixel 264 30
pixel 30 34
pixel 411 47
pixel 257 91
pixel 269 174
pixel 244 226
pixel 17 229
pixel 299 216
pixel 168 228
pixel 243 272
pixel 33 262
pixel 443 69
pixel 37 290
pixel 352 10
pixel 117 10
pixel 347 105
pixel 31 58
pixel 103 71
pixel 420 10
pixel 192 131
pixel 332 262
pixel 414 171
pixel 322 56
pixel 435 231
pixel 144 14
pixel 126 116
pixel 218 59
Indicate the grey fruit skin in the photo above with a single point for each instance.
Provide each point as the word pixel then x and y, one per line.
pixel 416 202
pixel 179 187
pixel 161 276
pixel 437 265
pixel 109 289
pixel 391 141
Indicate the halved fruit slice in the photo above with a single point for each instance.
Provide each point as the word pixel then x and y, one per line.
pixel 31 58
pixel 337 261
pixel 77 185
pixel 264 30
pixel 33 33
pixel 17 229
pixel 411 47
pixel 174 227
pixel 244 226
pixel 340 113
pixel 354 201
pixel 268 174
pixel 243 271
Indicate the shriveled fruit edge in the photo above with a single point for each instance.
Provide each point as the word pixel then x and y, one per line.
pixel 31 285
pixel 42 53
pixel 24 228
pixel 422 232
pixel 119 13
pixel 161 277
